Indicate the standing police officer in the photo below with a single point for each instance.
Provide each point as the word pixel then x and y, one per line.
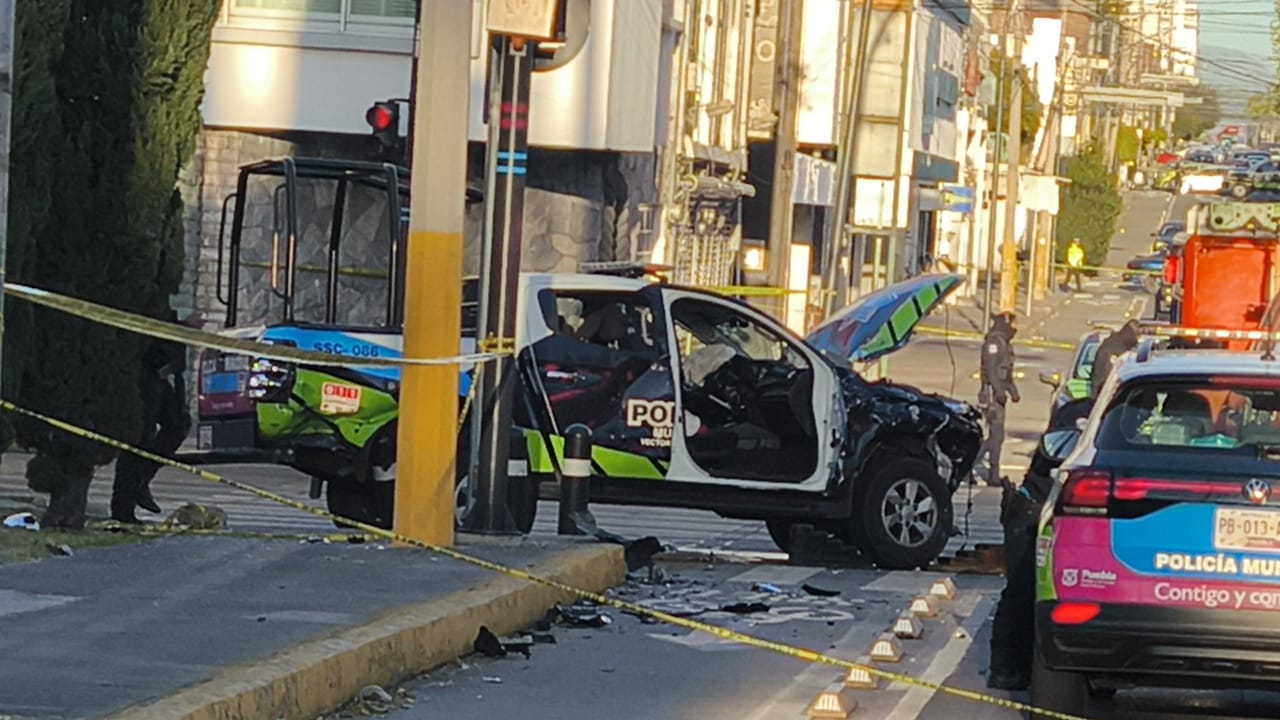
pixel 165 424
pixel 997 388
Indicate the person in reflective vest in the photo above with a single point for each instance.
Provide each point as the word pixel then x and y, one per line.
pixel 1075 263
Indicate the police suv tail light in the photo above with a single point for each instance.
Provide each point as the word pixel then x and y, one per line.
pixel 1075 613
pixel 1086 492
pixel 270 381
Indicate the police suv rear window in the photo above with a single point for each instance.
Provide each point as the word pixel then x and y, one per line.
pixel 1234 415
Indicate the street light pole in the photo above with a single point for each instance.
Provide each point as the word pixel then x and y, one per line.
pixel 6 124
pixel 508 160
pixel 428 424
pixel 787 94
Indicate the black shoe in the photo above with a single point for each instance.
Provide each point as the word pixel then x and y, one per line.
pixel 125 517
pixel 1008 681
pixel 146 502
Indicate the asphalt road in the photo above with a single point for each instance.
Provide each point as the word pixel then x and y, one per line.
pixel 633 670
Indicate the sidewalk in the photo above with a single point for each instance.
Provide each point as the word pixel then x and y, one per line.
pixel 205 627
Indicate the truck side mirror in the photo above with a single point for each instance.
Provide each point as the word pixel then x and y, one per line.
pixel 1049 377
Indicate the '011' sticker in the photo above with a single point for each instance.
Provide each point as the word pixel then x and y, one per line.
pixel 338 399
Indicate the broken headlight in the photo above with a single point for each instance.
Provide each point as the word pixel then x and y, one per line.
pixel 270 381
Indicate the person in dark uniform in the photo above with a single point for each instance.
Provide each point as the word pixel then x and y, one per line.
pixel 997 389
pixel 1113 346
pixel 165 424
pixel 1013 629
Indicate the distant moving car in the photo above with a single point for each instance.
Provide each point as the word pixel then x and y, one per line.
pixel 1203 180
pixel 1167 178
pixel 1159 551
pixel 1077 384
pixel 1165 235
pixel 1264 175
pixel 1202 156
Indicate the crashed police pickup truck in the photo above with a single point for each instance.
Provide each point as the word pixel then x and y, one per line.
pixel 694 400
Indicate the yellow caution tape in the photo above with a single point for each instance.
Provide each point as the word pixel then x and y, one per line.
pixel 971 335
pixel 1103 268
pixel 753 290
pixel 798 653
pixel 199 338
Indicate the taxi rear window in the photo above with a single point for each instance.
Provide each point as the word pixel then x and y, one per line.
pixel 1237 415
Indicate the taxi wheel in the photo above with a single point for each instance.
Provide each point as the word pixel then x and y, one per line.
pixel 1062 692
pixel 356 502
pixel 902 518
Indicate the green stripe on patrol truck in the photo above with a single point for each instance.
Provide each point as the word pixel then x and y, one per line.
pixel 614 463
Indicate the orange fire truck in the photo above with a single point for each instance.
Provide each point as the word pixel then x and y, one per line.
pixel 1228 271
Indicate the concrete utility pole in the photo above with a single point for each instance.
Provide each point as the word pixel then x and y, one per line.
pixel 6 124
pixel 428 429
pixel 1009 252
pixel 787 96
pixel 834 281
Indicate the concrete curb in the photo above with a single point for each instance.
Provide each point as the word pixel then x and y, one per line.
pixel 318 676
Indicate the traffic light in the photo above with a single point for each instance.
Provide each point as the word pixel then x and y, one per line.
pixel 384 120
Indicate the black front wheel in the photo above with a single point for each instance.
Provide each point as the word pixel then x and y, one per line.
pixel 370 503
pixel 1064 692
pixel 903 516
pixel 780 533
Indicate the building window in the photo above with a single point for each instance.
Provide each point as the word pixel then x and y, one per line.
pixel 305 7
pixel 383 8
pixel 328 10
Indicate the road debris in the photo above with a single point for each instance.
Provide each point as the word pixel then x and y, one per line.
pixel 487 644
pixel 584 615
pixel 819 592
pixel 745 608
pixel 62 550
pixel 22 521
pixel 493 679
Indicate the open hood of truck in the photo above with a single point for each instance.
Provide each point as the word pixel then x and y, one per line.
pixel 882 321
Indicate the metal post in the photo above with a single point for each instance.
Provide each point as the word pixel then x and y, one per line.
pixel 575 480
pixel 837 237
pixel 898 232
pixel 1009 251
pixel 427 442
pixel 6 123
pixel 995 181
pixel 501 278
pixel 787 97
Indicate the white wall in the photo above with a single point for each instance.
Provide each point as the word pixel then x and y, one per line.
pixel 821 50
pixel 270 76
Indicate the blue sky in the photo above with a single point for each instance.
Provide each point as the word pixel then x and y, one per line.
pixel 1235 47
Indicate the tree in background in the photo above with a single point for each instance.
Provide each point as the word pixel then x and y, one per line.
pixel 35 134
pixel 1128 144
pixel 128 92
pixel 1031 109
pixel 1089 207
pixel 1191 121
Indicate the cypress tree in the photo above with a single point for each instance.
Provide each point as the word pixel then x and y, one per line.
pixel 35 132
pixel 128 87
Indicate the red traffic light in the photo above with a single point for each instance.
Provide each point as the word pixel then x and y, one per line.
pixel 382 117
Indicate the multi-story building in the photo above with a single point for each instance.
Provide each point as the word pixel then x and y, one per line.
pixel 909 146
pixel 290 78
pixel 705 85
pixel 1184 39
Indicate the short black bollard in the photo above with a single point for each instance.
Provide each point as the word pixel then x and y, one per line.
pixel 575 479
